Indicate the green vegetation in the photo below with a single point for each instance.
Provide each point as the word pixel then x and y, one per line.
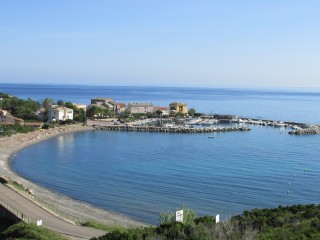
pixel 169 217
pixel 79 114
pixel 18 107
pixel 295 222
pixel 16 185
pixel 29 231
pixel 97 225
pixel 192 112
pixel 8 130
pixel 126 116
pixel 99 112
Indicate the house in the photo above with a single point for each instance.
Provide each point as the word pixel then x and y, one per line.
pixel 40 114
pixel 108 103
pixel 121 107
pixel 179 107
pixel 5 117
pixel 57 113
pixel 140 108
pixel 80 106
pixel 165 110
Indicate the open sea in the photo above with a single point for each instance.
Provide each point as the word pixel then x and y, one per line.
pixel 142 174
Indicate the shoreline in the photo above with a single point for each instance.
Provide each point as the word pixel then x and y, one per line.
pixel 10 146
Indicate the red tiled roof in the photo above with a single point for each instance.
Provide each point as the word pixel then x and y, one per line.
pixel 121 105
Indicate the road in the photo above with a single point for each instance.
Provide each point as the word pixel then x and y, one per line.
pixel 35 212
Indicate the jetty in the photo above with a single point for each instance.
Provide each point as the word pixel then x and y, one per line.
pixel 175 129
pixel 309 129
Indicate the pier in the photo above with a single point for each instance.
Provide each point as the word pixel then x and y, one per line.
pixel 175 129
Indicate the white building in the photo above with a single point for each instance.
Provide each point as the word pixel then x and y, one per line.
pixel 57 113
pixel 80 106
pixel 121 107
pixel 140 108
pixel 165 110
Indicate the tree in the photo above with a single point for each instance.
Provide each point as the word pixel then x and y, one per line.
pixel 96 111
pixel 192 112
pixel 46 104
pixel 69 105
pixel 60 103
pixel 158 112
pixel 79 114
pixel 20 108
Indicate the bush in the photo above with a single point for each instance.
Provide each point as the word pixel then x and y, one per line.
pixel 9 130
pixel 29 231
pixel 294 222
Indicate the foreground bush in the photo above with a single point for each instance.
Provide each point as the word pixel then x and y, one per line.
pixel 29 231
pixel 8 130
pixel 294 222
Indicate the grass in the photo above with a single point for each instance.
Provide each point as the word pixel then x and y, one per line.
pixel 97 225
pixel 17 185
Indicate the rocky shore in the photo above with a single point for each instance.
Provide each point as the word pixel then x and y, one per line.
pixel 309 129
pixel 179 129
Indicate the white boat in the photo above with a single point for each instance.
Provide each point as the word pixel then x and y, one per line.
pixel 280 124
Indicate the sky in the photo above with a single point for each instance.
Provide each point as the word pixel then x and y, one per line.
pixel 204 43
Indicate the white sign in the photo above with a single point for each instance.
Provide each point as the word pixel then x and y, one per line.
pixel 39 223
pixel 179 216
pixel 217 218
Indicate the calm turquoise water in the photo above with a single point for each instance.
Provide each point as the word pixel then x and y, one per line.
pixel 141 174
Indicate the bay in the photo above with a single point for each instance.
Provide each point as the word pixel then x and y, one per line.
pixel 142 174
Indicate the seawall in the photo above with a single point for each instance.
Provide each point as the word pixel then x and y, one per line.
pixel 180 129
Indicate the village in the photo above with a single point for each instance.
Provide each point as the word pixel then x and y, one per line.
pixel 100 108
pixel 105 113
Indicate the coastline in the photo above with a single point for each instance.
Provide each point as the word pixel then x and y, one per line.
pixel 9 146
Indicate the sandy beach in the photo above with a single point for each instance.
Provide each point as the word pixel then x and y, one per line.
pixel 9 146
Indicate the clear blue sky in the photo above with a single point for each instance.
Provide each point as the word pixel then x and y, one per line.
pixel 229 43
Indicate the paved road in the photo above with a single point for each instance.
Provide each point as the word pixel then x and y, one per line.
pixel 33 211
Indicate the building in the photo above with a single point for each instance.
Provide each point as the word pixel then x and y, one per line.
pixel 165 110
pixel 178 107
pixel 5 117
pixel 80 106
pixel 140 108
pixel 108 103
pixel 57 113
pixel 121 107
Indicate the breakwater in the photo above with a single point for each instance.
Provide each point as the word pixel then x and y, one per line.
pixel 310 129
pixel 179 129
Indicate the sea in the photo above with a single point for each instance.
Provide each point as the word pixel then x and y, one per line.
pixel 141 174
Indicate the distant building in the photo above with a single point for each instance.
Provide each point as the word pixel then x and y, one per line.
pixel 140 108
pixel 165 110
pixel 108 103
pixel 121 107
pixel 178 107
pixel 57 113
pixel 80 106
pixel 40 114
pixel 5 117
